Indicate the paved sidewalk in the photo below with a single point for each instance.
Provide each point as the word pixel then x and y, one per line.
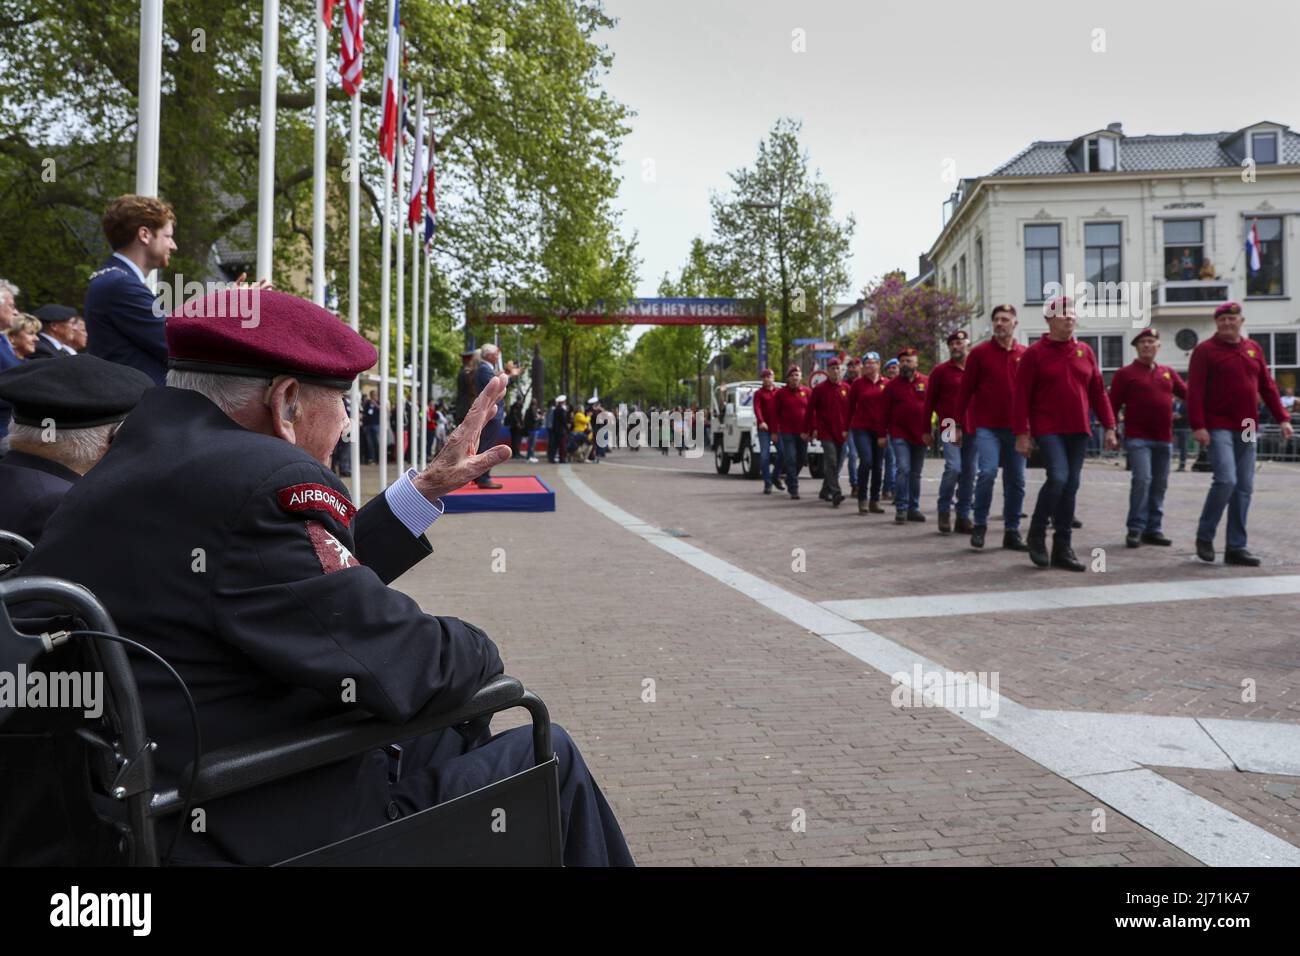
pixel 753 719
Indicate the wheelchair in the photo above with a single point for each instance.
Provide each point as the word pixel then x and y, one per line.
pixel 77 791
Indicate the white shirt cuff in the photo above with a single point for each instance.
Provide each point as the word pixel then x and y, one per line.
pixel 414 510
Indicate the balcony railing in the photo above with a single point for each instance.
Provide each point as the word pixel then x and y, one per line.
pixel 1174 292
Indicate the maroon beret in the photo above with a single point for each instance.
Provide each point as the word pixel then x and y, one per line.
pixel 1147 333
pixel 263 333
pixel 1231 307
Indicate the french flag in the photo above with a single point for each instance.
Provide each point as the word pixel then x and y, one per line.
pixel 1252 246
pixel 392 90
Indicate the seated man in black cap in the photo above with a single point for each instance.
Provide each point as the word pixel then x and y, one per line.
pixel 58 336
pixel 65 414
pixel 253 574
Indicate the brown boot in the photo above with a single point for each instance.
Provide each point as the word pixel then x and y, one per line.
pixel 873 506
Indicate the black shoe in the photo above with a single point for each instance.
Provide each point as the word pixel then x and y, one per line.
pixel 977 535
pixel 1132 540
pixel 779 485
pixel 1036 545
pixel 1076 523
pixel 1242 557
pixel 1063 557
pixel 836 499
pixel 1205 550
pixel 1155 537
pixel 767 489
pixel 824 495
pixel 945 523
pixel 963 526
pixel 853 491
pixel 794 496
pixel 915 516
pixel 900 517
pixel 1012 542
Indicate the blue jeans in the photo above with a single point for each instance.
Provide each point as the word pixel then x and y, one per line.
pixel 765 456
pixel 793 452
pixel 851 450
pixel 1064 456
pixel 890 469
pixel 871 460
pixel 958 475
pixel 996 447
pixel 1233 461
pixel 908 461
pixel 1181 435
pixel 1149 461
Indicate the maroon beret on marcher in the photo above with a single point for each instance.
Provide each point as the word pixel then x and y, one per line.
pixel 1147 333
pixel 263 333
pixel 1231 307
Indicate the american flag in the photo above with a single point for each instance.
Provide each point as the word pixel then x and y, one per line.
pixel 392 88
pixel 350 45
pixel 327 12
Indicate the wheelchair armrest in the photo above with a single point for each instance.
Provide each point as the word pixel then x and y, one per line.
pixel 243 766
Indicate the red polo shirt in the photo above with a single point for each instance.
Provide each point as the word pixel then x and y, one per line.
pixel 1146 393
pixel 791 409
pixel 828 411
pixel 867 405
pixel 765 406
pixel 905 415
pixel 988 386
pixel 1056 383
pixel 1225 382
pixel 945 388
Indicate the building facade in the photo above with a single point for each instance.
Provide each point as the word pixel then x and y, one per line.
pixel 1141 230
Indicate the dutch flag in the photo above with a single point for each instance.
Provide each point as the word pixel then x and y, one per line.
pixel 1252 246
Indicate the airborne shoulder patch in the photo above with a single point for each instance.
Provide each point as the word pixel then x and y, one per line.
pixel 310 496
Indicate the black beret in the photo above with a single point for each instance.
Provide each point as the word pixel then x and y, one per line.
pixel 55 313
pixel 80 391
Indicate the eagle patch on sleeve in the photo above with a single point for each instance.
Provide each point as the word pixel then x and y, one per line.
pixel 315 497
pixel 330 551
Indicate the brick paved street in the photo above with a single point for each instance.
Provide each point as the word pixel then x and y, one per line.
pixel 755 718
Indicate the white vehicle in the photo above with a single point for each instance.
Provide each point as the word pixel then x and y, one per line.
pixel 735 431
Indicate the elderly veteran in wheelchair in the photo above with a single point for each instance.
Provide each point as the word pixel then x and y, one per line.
pixel 215 534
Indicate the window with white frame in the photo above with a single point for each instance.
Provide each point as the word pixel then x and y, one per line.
pixel 979 276
pixel 1280 352
pixel 1042 259
pixel 1101 154
pixel 1184 249
pixel 1101 257
pixel 1267 279
pixel 961 272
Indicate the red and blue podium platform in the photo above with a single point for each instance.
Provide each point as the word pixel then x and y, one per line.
pixel 517 493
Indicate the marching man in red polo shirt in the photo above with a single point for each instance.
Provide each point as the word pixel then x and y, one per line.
pixel 765 414
pixel 1145 390
pixel 984 410
pixel 866 428
pixel 958 459
pixel 1225 381
pixel 1057 382
pixel 791 416
pixel 828 420
pixel 908 432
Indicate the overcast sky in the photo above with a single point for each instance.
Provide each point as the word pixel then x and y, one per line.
pixel 887 91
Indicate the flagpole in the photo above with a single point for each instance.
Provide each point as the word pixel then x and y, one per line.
pixel 146 150
pixel 318 171
pixel 266 152
pixel 399 410
pixel 354 283
pixel 416 228
pixel 424 362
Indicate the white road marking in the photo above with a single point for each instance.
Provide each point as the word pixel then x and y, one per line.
pixel 1193 824
pixel 1052 599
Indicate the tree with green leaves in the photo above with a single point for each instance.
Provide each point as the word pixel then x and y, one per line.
pixel 524 132
pixel 776 235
